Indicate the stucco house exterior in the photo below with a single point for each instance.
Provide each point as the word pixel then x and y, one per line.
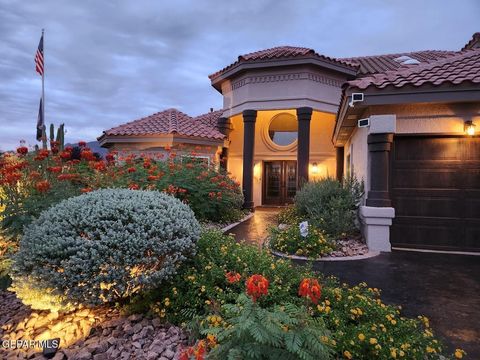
pixel 291 115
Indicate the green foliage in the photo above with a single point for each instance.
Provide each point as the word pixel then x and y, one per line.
pixel 330 205
pixel 290 241
pixel 362 325
pixel 200 284
pixel 289 215
pixel 5 265
pixel 284 332
pixel 105 246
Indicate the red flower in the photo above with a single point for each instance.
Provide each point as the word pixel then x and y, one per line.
pixel 22 150
pixel 131 169
pixel 195 352
pixel 87 154
pixel 152 178
pixel 34 175
pixel 110 157
pixel 12 178
pixel 54 169
pixel 42 186
pixel 86 190
pixel 67 176
pixel 257 286
pixel 310 288
pixel 68 148
pixel 82 143
pixel 133 186
pixel 42 154
pixel 66 155
pixel 233 277
pixel 100 166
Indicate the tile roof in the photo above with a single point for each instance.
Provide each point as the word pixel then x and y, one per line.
pixel 473 43
pixel 462 67
pixel 381 63
pixel 210 118
pixel 282 52
pixel 170 121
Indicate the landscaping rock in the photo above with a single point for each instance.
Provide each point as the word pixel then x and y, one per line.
pixel 86 334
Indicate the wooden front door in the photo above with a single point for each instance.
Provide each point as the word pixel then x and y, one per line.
pixel 435 189
pixel 279 182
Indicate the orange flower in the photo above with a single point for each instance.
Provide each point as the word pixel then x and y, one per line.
pixel 12 178
pixel 257 286
pixel 67 176
pixel 233 277
pixel 131 169
pixel 310 288
pixel 22 150
pixel 43 186
pixel 100 166
pixel 86 190
pixel 133 186
pixel 54 169
pixel 195 352
pixel 82 143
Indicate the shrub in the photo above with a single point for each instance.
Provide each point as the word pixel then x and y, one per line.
pixel 215 276
pixel 289 215
pixel 290 241
pixel 330 205
pixel 32 182
pixel 105 245
pixel 286 331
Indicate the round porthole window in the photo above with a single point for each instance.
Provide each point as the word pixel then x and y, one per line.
pixel 283 129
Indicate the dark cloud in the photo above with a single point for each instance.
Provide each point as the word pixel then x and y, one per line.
pixel 108 61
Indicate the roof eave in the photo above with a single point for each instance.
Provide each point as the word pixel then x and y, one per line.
pixel 427 93
pixel 217 80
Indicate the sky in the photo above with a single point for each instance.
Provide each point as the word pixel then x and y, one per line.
pixel 109 62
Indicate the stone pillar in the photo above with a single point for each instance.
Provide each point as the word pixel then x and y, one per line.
pixel 376 222
pixel 249 118
pixel 304 115
pixel 340 154
pixel 379 146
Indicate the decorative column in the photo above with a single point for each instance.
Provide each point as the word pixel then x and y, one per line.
pixel 224 126
pixel 340 154
pixel 304 115
pixel 249 118
pixel 379 146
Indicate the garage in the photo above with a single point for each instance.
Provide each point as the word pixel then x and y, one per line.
pixel 435 190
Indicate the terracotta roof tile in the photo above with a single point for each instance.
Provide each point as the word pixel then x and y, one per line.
pixel 170 121
pixel 462 67
pixel 210 119
pixel 282 52
pixel 473 43
pixel 375 64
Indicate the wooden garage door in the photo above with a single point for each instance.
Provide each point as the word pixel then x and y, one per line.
pixel 435 189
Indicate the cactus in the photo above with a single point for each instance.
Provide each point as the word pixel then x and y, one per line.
pixel 44 137
pixel 61 137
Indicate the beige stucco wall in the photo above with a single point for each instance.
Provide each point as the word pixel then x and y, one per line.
pixel 157 149
pixel 410 119
pixel 322 151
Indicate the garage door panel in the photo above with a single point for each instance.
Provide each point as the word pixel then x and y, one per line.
pixel 435 189
pixel 426 178
pixel 445 207
pixel 428 149
pixel 426 236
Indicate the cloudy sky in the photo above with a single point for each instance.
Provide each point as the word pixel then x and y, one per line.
pixel 108 62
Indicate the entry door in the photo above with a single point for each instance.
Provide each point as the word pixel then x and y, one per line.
pixel 279 182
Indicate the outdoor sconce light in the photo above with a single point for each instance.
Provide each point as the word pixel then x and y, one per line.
pixel 314 168
pixel 469 128
pixel 257 171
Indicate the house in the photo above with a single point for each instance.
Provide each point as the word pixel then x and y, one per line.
pixel 404 123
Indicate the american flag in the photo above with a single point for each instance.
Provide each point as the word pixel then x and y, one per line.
pixel 39 57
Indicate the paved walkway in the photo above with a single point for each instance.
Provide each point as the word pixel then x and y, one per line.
pixel 255 229
pixel 445 288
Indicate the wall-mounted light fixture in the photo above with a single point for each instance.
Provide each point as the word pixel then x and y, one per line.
pixel 469 128
pixel 314 168
pixel 257 171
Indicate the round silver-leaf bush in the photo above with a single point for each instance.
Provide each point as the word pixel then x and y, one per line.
pixel 103 246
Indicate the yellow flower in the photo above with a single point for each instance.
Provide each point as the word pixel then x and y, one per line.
pixel 430 349
pixel 324 339
pixel 272 266
pixel 394 322
pixel 347 354
pixel 373 341
pixel 393 353
pixel 208 302
pixel 327 309
pixel 459 353
pixel 327 302
pixel 203 288
pixel 361 337
pixel 402 353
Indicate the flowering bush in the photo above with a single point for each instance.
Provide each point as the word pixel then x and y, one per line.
pixel 208 285
pixel 32 182
pixel 106 245
pixel 290 240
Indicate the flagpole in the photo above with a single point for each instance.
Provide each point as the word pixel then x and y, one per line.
pixel 43 79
